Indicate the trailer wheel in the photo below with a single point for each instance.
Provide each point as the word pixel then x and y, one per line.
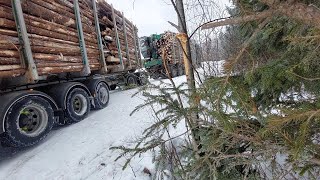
pixel 174 71
pixel 155 75
pixel 143 79
pixel 77 105
pixel 102 96
pixel 113 87
pixel 181 70
pixel 27 122
pixel 131 80
pixel 100 91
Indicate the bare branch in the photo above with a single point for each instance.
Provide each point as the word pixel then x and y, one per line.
pixel 238 20
pixel 174 25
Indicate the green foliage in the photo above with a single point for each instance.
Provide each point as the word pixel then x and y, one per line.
pixel 283 57
pixel 281 72
pixel 265 109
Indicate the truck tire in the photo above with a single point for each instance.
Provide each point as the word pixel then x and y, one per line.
pixel 131 80
pixel 155 75
pixel 28 121
pixel 100 92
pixel 143 79
pixel 174 71
pixel 101 99
pixel 77 105
pixel 181 70
pixel 113 87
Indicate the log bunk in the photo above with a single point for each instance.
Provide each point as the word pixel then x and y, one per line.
pixel 64 36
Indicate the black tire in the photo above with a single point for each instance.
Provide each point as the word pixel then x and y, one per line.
pixel 174 71
pixel 143 78
pixel 113 87
pixel 155 75
pixel 181 70
pixel 37 117
pixel 131 80
pixel 102 96
pixel 77 105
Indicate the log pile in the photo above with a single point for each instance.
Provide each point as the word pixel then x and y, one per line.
pixel 127 33
pixel 169 44
pixel 9 44
pixel 53 35
pixel 54 40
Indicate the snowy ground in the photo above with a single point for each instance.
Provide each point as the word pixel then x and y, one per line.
pixel 81 151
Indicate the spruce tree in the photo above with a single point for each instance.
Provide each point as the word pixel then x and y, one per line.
pixel 260 120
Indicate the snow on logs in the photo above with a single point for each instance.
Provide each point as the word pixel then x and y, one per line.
pixel 54 40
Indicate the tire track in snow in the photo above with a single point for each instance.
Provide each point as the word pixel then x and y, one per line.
pixel 34 152
pixel 77 151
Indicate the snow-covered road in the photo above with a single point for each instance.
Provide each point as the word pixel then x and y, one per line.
pixel 81 151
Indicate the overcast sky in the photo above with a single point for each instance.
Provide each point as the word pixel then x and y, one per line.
pixel 151 16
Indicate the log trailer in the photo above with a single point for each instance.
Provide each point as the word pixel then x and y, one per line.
pixel 58 60
pixel 154 46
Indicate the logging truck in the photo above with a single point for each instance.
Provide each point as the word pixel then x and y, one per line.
pixel 58 60
pixel 161 51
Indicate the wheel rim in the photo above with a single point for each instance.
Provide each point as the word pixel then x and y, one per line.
pixel 79 104
pixel 32 120
pixel 103 94
pixel 131 81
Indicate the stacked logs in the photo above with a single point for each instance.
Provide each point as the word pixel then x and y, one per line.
pixel 9 44
pixel 111 24
pixel 169 44
pixel 53 35
pixel 54 39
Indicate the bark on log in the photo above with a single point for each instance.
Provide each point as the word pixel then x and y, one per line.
pixel 9 61
pixel 8 32
pixel 53 35
pixel 57 70
pixel 9 53
pixel 64 51
pixel 49 15
pixel 10 67
pixel 8 24
pixel 34 37
pixel 50 57
pixel 12 73
pixel 6 3
pixel 6 12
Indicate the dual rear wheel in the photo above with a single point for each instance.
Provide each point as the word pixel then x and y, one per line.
pixel 77 105
pixel 27 121
pixel 28 118
pixel 100 92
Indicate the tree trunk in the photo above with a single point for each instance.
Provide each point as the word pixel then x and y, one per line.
pixel 193 117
